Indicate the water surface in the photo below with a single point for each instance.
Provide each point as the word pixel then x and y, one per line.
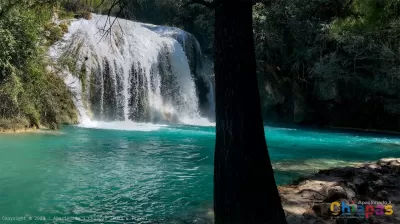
pixel 151 173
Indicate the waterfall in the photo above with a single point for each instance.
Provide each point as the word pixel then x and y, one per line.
pixel 134 72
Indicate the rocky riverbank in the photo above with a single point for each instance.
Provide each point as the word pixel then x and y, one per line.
pixel 20 130
pixel 309 199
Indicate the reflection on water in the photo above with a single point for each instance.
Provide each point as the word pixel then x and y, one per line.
pixel 154 174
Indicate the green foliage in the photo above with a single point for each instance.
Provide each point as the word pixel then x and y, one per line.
pixel 13 124
pixel 330 39
pixel 84 14
pixel 64 14
pixel 290 33
pixel 367 16
pixel 370 43
pixel 193 18
pixel 355 42
pixel 84 8
pixel 343 54
pixel 64 27
pixel 53 33
pixel 28 91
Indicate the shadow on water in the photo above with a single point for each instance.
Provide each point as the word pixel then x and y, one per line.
pixel 159 174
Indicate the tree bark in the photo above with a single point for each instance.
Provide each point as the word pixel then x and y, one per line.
pixel 245 191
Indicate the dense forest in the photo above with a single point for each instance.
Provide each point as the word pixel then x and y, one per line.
pixel 321 62
pixel 330 62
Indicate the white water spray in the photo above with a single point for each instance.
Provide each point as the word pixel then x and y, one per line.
pixel 135 73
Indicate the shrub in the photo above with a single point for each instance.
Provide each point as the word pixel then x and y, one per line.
pixel 84 14
pixel 64 27
pixel 30 95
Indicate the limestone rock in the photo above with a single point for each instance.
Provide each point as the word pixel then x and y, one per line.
pixel 309 200
pixel 389 162
pixel 373 166
pixel 350 193
pixel 336 193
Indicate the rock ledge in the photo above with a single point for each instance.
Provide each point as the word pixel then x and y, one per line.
pixel 309 199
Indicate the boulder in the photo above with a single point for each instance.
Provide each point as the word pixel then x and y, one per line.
pixel 323 209
pixel 393 164
pixel 313 196
pixel 358 181
pixel 382 195
pixel 363 189
pixel 373 175
pixel 378 183
pixel 384 170
pixel 373 166
pixel 350 193
pixel 389 161
pixel 336 193
pixel 351 185
pixel 362 172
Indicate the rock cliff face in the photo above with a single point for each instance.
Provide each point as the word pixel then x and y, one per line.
pixel 356 103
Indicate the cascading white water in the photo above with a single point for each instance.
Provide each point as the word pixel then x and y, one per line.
pixel 134 73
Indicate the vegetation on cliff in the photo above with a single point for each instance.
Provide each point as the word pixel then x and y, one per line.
pixel 320 62
pixel 31 95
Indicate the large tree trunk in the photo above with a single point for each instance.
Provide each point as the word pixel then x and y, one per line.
pixel 245 191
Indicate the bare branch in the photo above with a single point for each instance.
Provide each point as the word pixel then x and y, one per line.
pixel 107 31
